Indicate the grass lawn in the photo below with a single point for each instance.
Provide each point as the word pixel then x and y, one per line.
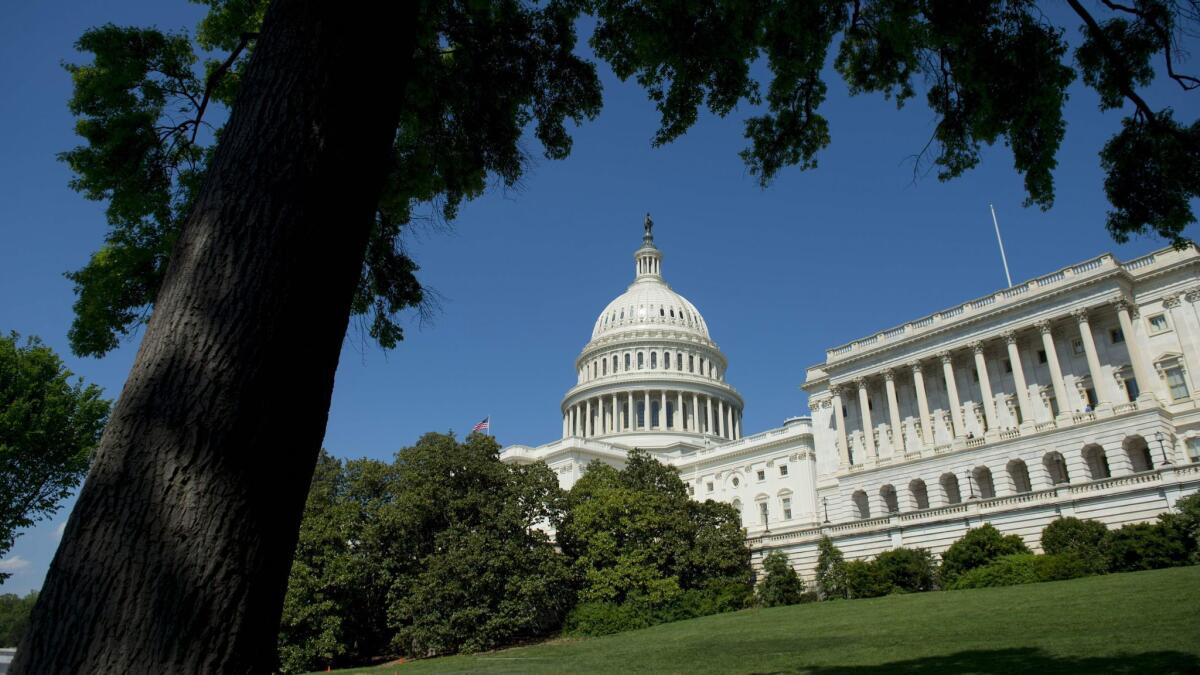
pixel 1139 622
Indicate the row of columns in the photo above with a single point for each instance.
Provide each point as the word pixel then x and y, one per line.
pixel 617 412
pixel 602 366
pixel 1106 391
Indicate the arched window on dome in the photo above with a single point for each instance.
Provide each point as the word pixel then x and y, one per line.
pixel 604 367
pixel 666 360
pixel 679 361
pixel 641 360
pixel 691 363
pixel 626 361
pixel 661 311
pixel 622 314
pixel 653 360
pixel 672 312
pixel 614 367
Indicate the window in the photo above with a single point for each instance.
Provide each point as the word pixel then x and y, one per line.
pixel 787 508
pixel 653 360
pixel 709 487
pixel 1041 356
pixel 1077 346
pixel 626 362
pixel 762 512
pixel 1115 336
pixel 1175 383
pixel 614 364
pixel 691 363
pixel 604 367
pixel 975 375
pixel 1158 324
pixel 641 360
pixel 783 469
pixel 736 481
pixel 762 475
pixel 667 360
pixel 1193 449
pixel 1007 366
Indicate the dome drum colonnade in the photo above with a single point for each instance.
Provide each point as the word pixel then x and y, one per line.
pixel 651 366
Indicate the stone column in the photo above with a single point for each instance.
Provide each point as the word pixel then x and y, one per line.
pixel 566 424
pixel 662 411
pixel 1191 359
pixel 630 412
pixel 708 417
pixel 1146 379
pixel 839 424
pixel 616 415
pixel 721 418
pixel 695 412
pixel 889 384
pixel 1060 389
pixel 1104 395
pixel 588 428
pixel 1018 373
pixel 952 393
pixel 864 411
pixel 985 387
pixel 926 429
pixel 737 425
pixel 647 419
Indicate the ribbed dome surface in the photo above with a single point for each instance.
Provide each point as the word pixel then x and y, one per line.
pixel 649 303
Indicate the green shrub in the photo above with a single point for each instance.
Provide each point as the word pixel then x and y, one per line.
pixel 831 570
pixel 14 617
pixel 1188 521
pixel 780 585
pixel 1078 537
pixel 909 570
pixel 865 580
pixel 978 547
pixel 1024 568
pixel 605 618
pixel 641 611
pixel 1146 546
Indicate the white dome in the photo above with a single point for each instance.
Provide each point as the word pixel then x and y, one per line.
pixel 649 302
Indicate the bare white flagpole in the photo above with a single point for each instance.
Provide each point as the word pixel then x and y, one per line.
pixel 1003 258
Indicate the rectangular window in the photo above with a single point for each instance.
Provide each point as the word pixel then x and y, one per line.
pixel 1158 323
pixel 1131 388
pixel 762 475
pixel 787 508
pixel 1115 336
pixel 709 487
pixel 783 469
pixel 762 512
pixel 1193 449
pixel 1041 356
pixel 1007 366
pixel 1176 384
pixel 1077 346
pixel 975 375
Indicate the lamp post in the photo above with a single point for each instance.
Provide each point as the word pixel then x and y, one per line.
pixel 1158 436
pixel 971 484
pixel 825 504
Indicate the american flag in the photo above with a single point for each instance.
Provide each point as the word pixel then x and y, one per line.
pixel 483 425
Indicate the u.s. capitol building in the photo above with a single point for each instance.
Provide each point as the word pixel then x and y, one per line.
pixel 1071 394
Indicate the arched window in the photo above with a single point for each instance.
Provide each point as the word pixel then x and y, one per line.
pixel 1056 467
pixel 862 509
pixel 653 360
pixel 920 495
pixel 691 363
pixel 626 361
pixel 679 361
pixel 737 506
pixel 666 360
pixel 1019 474
pixel 950 491
pixel 785 504
pixel 1097 461
pixel 614 364
pixel 888 494
pixel 654 413
pixel 641 414
pixel 641 360
pixel 983 481
pixel 1138 452
pixel 604 367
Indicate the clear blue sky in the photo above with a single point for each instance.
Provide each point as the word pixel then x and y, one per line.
pixel 815 260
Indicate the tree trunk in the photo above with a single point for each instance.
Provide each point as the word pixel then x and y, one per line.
pixel 176 556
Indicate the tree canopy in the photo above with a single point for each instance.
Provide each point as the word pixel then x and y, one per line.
pixel 49 426
pixel 991 71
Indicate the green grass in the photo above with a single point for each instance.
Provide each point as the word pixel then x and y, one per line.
pixel 1140 622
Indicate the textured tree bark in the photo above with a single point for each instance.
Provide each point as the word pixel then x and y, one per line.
pixel 175 559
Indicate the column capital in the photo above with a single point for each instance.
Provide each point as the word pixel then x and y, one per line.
pixel 914 366
pixel 1010 337
pixel 1080 315
pixel 1192 295
pixel 1043 326
pixel 945 357
pixel 889 374
pixel 860 382
pixel 1125 304
pixel 837 389
pixel 1171 301
pixel 977 346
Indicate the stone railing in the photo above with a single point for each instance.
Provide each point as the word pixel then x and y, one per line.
pixel 1098 265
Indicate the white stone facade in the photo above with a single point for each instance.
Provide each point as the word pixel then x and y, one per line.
pixel 1071 394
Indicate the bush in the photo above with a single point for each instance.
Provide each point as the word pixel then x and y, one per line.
pixel 1146 546
pixel 1024 568
pixel 1078 537
pixel 14 617
pixel 605 618
pixel 978 547
pixel 781 585
pixel 831 570
pixel 865 580
pixel 908 570
pixel 1188 521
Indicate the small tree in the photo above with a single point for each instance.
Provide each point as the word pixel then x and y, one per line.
pixel 1188 522
pixel 978 547
pixel 1145 546
pixel 48 428
pixel 1080 538
pixel 781 585
pixel 864 579
pixel 911 570
pixel 831 570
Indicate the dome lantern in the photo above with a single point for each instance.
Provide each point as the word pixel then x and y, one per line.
pixel 648 258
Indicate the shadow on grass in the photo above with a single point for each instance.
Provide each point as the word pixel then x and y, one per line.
pixel 1023 660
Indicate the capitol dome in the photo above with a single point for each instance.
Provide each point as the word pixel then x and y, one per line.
pixel 651 376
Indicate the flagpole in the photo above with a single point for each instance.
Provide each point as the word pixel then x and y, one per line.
pixel 1003 258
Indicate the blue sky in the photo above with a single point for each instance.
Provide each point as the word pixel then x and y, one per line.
pixel 780 274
